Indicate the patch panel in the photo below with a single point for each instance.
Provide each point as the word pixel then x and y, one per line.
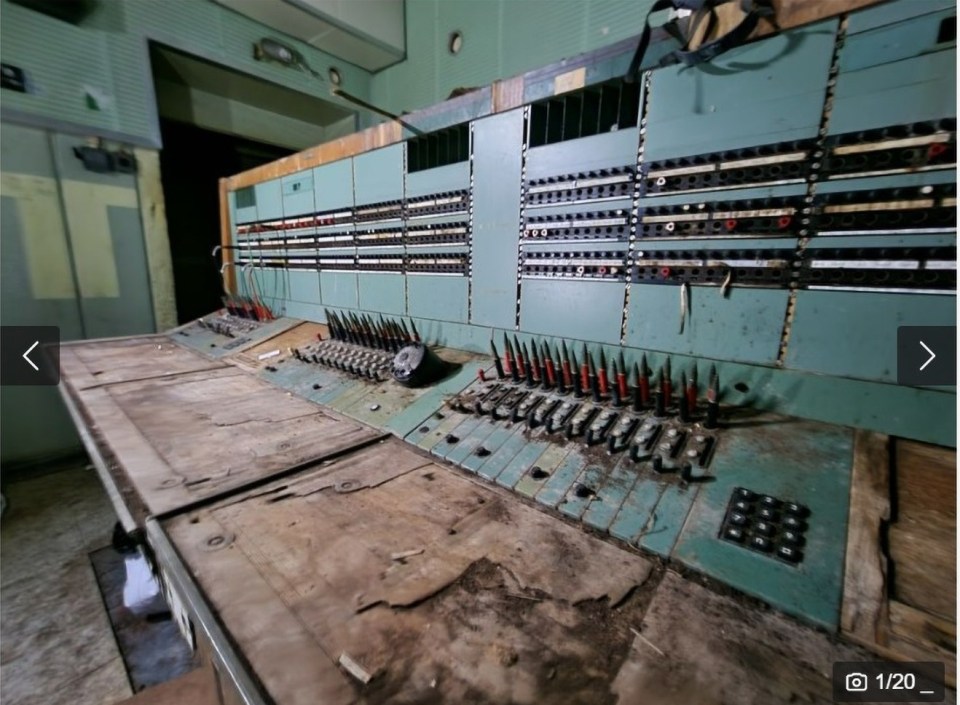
pixel 261 262
pixel 386 210
pixel 444 203
pixel 339 216
pixel 598 226
pixel 266 245
pixel 303 222
pixel 448 263
pixel 768 268
pixel 300 242
pixel 890 269
pixel 608 265
pixel 582 187
pixel 264 226
pixel 903 149
pixel 454 233
pixel 761 217
pixel 303 262
pixel 380 263
pixel 337 262
pixel 765 165
pixel 381 237
pixel 915 209
pixel 343 238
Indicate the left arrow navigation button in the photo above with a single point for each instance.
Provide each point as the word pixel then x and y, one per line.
pixel 27 354
pixel 30 355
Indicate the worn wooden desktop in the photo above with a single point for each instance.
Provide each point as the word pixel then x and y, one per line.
pixel 290 537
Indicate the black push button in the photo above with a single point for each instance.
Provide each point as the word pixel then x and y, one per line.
pixel 793 523
pixel 792 537
pixel 797 510
pixel 760 543
pixel 734 533
pixel 765 528
pixel 768 514
pixel 789 554
pixel 738 519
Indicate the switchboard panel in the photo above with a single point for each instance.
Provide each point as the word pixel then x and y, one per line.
pixel 497 166
pixel 666 302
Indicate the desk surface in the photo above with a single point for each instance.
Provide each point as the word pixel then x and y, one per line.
pixel 313 535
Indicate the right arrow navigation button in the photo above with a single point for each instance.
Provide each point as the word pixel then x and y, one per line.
pixel 927 355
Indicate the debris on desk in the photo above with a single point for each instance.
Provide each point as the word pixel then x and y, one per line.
pixel 355 669
pixel 401 555
pixel 646 641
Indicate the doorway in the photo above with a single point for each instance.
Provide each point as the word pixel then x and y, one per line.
pixel 191 163
pixel 216 122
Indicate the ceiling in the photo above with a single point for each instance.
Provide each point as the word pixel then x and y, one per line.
pixel 368 33
pixel 172 66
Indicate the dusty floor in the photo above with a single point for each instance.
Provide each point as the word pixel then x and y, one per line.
pixel 57 643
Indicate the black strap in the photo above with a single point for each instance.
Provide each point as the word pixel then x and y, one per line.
pixel 753 9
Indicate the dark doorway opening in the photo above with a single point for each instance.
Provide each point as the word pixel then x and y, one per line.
pixel 192 162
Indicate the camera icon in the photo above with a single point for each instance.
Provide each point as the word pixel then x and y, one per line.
pixel 856 682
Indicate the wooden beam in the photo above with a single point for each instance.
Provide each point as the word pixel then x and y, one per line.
pixel 507 94
pixel 230 276
pixel 153 217
pixel 865 578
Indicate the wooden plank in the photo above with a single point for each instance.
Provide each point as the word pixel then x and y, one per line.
pixel 153 217
pixel 932 633
pixel 923 540
pixel 226 238
pixel 481 608
pixel 507 94
pixel 926 481
pixel 99 363
pixel 278 645
pixel 183 438
pixel 865 579
pixel 924 566
pixel 198 687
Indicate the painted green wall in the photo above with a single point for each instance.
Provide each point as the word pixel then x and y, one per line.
pixel 72 255
pixel 108 53
pixel 502 38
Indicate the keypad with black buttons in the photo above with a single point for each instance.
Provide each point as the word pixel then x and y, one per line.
pixel 766 524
